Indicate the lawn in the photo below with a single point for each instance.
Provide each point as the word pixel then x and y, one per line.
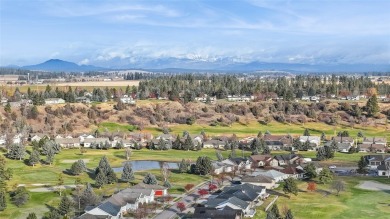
pixel 252 128
pixel 115 127
pixel 353 203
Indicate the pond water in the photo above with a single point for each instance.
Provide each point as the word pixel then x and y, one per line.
pixel 139 165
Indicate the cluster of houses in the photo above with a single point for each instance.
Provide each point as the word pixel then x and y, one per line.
pixel 265 170
pixel 125 201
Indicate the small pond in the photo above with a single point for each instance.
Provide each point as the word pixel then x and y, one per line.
pixel 139 165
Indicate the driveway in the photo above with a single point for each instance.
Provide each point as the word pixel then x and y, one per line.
pixel 188 199
pixel 374 186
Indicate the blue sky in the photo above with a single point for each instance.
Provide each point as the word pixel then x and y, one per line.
pixel 109 33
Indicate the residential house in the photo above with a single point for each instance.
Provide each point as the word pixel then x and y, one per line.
pixel 375 148
pixel 218 144
pixel 374 140
pixel 85 136
pixel 37 136
pixel 50 101
pixel 277 142
pixel 203 99
pixel 344 140
pixel 263 160
pixel 226 213
pixel 259 180
pixel 241 163
pixel 375 160
pixel 127 99
pixel 273 174
pixel 3 101
pixel 294 172
pixel 68 142
pixel 343 147
pixel 120 203
pixel 219 167
pixel 166 137
pixel 384 168
pixel 159 191
pixel 234 98
pixel 240 197
pixel 83 100
pixel 314 141
pixel 89 141
pixel 289 159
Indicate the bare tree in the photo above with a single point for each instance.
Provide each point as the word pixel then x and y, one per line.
pixel 165 172
pixel 338 186
pixel 128 153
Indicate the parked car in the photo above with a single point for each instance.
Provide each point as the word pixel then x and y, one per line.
pixel 332 167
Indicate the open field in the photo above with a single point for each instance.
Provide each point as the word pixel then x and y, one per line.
pixel 114 127
pixel 88 85
pixel 253 127
pixel 353 203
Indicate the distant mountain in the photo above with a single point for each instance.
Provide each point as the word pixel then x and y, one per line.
pixel 58 65
pixel 172 64
pixel 227 64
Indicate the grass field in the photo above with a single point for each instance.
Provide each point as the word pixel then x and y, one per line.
pixel 275 128
pixel 353 203
pixel 88 85
pixel 114 127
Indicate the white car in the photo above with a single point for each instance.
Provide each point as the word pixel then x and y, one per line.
pixel 332 167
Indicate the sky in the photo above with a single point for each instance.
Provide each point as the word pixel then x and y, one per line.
pixel 112 32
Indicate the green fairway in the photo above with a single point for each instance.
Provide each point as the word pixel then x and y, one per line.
pixel 353 203
pixel 115 127
pixel 316 128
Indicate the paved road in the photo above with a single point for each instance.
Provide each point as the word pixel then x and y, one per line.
pixel 188 199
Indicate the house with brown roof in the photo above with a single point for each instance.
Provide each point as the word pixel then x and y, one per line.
pixel 263 160
pixel 345 140
pixel 278 142
pixel 374 140
pixel 374 148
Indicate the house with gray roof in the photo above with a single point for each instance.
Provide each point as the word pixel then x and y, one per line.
pixel 226 213
pixel 120 203
pixel 68 142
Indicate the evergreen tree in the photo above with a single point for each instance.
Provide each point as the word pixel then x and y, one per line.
pixel 271 215
pixel 3 200
pixel 266 150
pixel 232 154
pixel 167 184
pixel 325 176
pixel 20 196
pixel 362 165
pixel 275 210
pixel 88 197
pixel 306 132
pixel 150 179
pixel 289 215
pixel 323 136
pixel 50 156
pixel 34 157
pixel 203 166
pixel 372 106
pixel 78 167
pixel 219 155
pixel 127 174
pixel 53 214
pixel 310 171
pixel 32 216
pixel 65 207
pixel 183 166
pixel 101 179
pixel 290 186
pixel 16 151
pixel 177 143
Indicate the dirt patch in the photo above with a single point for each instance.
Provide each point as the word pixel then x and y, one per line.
pixel 373 186
pixel 72 161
